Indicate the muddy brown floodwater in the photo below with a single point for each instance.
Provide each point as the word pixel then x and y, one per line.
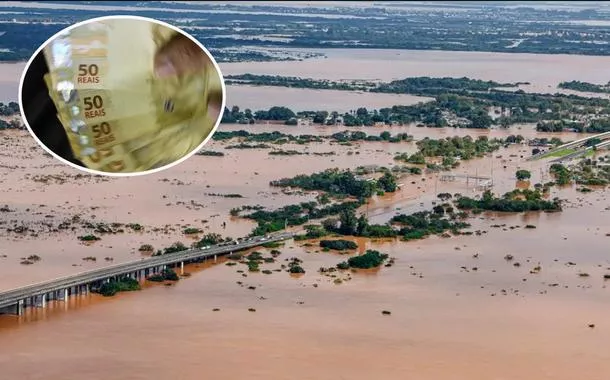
pixel 459 310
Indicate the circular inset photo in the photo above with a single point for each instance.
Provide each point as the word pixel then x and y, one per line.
pixel 122 95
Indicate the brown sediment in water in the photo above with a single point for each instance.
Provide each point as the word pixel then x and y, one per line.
pixel 448 320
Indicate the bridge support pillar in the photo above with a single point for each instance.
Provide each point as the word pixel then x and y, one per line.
pixel 182 267
pixel 16 309
pixel 62 294
pixel 215 257
pixel 41 301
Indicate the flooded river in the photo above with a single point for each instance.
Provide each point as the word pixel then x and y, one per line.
pixel 542 71
pixel 459 310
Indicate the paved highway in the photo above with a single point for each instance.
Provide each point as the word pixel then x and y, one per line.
pixel 581 152
pixel 13 296
pixel 570 145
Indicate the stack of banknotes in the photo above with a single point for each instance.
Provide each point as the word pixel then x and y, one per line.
pixel 120 117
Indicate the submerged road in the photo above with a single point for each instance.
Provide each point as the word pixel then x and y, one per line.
pixel 13 300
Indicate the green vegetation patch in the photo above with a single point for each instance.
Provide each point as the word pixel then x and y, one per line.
pixel 338 245
pixel 109 289
pixel 514 201
pixel 370 259
pixel 165 275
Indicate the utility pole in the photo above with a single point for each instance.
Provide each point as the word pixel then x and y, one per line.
pixel 492 170
pixel 476 180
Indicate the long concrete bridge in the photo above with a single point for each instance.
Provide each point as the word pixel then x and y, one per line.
pixel 574 144
pixel 14 301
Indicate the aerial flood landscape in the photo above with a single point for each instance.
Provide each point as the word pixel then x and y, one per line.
pixel 442 227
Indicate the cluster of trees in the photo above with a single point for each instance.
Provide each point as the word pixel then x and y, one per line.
pixel 176 247
pixel 253 260
pixel 598 125
pixel 293 82
pixel 454 98
pixel 338 245
pixel 210 239
pixel 165 275
pixel 109 289
pixel 463 147
pixel 586 172
pixel 210 153
pixel 9 109
pixel 294 215
pixel 413 226
pixel 421 224
pixel 347 136
pixel 370 259
pixel 514 201
pixel 234 115
pixel 453 148
pixel 274 137
pixel 559 125
pixel 585 86
pixel 427 86
pixel 294 266
pixel 523 175
pixel 313 231
pixel 562 175
pixel 281 138
pixel 340 183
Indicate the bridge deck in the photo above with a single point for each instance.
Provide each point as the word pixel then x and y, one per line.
pixel 13 296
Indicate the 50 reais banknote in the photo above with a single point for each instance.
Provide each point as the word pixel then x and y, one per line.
pixel 119 115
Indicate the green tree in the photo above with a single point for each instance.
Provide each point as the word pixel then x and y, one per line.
pixel 388 182
pixel 362 112
pixel 523 175
pixel 320 117
pixel 348 222
pixel 362 226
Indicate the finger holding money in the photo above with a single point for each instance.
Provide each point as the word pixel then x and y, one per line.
pixel 147 99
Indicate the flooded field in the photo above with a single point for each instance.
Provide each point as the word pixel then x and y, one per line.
pixel 458 308
pixel 544 72
pixel 258 98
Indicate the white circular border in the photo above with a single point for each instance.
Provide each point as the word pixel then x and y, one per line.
pixel 134 174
